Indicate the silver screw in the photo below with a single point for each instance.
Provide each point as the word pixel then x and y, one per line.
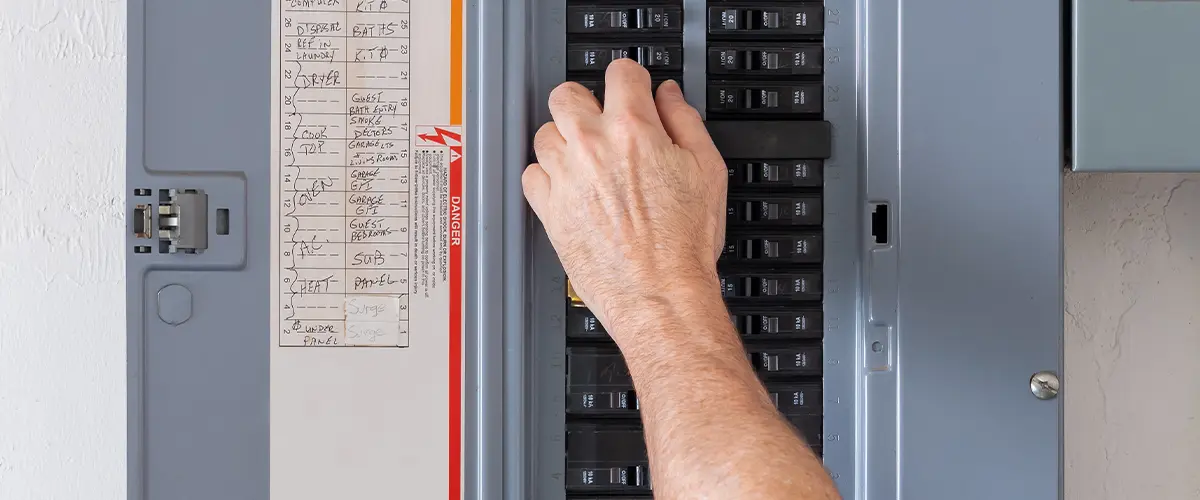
pixel 1044 385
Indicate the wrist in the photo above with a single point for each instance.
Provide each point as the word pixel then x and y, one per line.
pixel 687 309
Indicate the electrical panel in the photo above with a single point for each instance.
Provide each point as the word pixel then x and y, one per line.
pixel 337 290
pixel 1133 80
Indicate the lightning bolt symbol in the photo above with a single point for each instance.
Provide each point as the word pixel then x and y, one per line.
pixel 440 135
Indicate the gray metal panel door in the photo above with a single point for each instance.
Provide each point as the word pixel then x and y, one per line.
pixel 962 108
pixel 1134 91
pixel 199 118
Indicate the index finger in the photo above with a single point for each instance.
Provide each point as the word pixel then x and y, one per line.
pixel 627 90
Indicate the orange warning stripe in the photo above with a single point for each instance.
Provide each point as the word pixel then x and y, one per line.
pixel 456 275
pixel 456 61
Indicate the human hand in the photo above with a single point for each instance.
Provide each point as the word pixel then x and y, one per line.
pixel 632 196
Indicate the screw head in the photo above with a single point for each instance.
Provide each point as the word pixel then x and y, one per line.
pixel 1044 385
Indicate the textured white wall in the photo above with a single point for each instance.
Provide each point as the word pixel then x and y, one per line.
pixel 62 294
pixel 1133 285
pixel 1132 337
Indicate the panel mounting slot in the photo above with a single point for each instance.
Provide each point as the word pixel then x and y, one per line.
pixel 143 222
pixel 222 221
pixel 880 220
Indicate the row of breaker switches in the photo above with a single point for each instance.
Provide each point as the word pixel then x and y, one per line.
pixel 758 19
pixel 621 462
pixel 608 455
pixel 764 67
pixel 726 59
pixel 598 381
pixel 789 323
pixel 789 400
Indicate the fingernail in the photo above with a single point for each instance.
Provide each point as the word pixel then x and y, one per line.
pixel 671 87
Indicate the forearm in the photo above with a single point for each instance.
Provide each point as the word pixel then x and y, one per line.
pixel 711 429
pixel 632 195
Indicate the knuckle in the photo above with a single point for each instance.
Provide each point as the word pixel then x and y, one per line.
pixel 628 123
pixel 717 165
pixel 684 112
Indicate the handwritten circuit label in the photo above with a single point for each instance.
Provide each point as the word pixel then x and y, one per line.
pixel 366 249
pixel 349 201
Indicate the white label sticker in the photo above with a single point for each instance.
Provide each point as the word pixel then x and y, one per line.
pixel 366 249
pixel 346 192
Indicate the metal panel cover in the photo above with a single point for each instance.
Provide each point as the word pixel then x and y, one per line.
pixel 1134 105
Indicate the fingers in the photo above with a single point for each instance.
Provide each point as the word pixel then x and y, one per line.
pixel 572 106
pixel 627 90
pixel 683 123
pixel 536 185
pixel 548 146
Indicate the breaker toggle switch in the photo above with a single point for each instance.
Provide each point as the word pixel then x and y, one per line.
pixel 782 286
pixel 648 17
pixel 756 249
pixel 622 400
pixel 765 324
pixel 598 57
pixel 800 59
pixel 596 19
pixel 791 20
pixel 769 211
pixel 765 98
pixel 597 86
pixel 775 211
pixel 761 211
pixel 796 249
pixel 592 402
pixel 779 323
pixel 766 172
pixel 786 361
pixel 749 60
pixel 651 56
pixel 770 173
pixel 760 98
pixel 755 287
pixel 634 475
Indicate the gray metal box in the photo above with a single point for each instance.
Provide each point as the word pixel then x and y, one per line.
pixel 1134 85
pixel 931 337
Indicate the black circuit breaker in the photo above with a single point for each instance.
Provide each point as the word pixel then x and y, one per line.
pixel 764 105
pixel 599 32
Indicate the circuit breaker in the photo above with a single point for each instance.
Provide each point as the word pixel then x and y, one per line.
pixel 336 289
